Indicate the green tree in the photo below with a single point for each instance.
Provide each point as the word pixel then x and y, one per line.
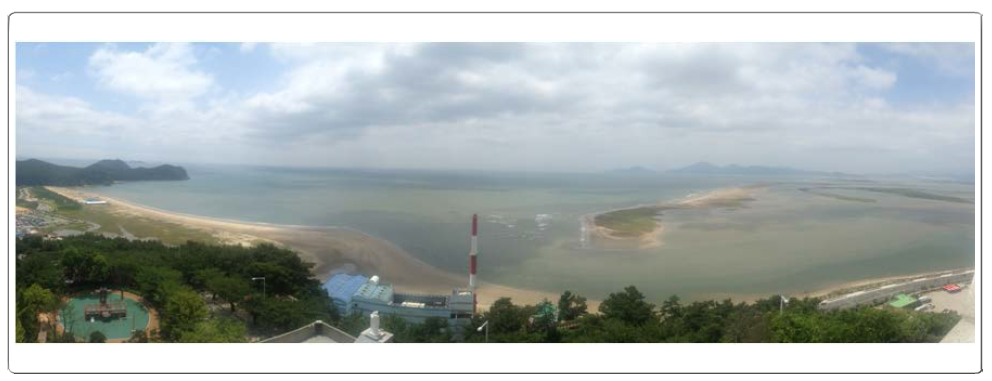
pixel 74 263
pixel 627 306
pixel 98 337
pixel 184 309
pixel 20 331
pixel 157 283
pixel 98 269
pixel 545 321
pixel 504 317
pixel 671 308
pixel 31 302
pixel 65 337
pixel 233 290
pixel 223 330
pixel 201 279
pixel 571 306
pixel 139 336
pixel 279 315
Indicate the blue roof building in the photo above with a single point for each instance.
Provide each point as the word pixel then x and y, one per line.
pixel 358 294
pixel 342 287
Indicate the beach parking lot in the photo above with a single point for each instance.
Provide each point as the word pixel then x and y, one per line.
pixel 964 303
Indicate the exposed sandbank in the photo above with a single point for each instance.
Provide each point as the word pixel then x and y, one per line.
pixel 329 248
pixel 605 237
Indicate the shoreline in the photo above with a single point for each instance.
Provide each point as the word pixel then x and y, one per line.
pixel 331 248
pixel 328 248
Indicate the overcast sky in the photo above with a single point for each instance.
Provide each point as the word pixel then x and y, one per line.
pixel 859 108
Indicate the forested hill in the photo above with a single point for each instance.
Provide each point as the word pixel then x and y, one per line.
pixel 34 172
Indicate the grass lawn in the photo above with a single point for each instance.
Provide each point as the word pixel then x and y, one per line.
pixel 110 222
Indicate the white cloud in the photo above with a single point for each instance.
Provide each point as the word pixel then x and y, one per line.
pixel 54 116
pixel 164 71
pixel 515 106
pixel 247 47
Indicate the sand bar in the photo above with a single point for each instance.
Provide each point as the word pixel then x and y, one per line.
pixel 329 248
pixel 609 238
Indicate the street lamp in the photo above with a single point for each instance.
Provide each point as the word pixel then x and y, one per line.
pixel 486 326
pixel 262 278
pixel 781 304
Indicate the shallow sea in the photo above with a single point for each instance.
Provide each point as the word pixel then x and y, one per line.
pixel 787 241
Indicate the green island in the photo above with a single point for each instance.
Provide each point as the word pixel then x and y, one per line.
pixel 629 223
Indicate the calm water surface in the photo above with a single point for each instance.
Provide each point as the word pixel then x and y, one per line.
pixel 788 241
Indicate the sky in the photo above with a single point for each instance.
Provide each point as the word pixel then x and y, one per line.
pixel 569 107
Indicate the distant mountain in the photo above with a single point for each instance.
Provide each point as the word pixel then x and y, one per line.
pixel 36 172
pixel 635 170
pixel 734 169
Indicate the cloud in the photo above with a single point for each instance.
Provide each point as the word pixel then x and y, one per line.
pixel 548 106
pixel 247 47
pixel 344 89
pixel 41 114
pixel 164 71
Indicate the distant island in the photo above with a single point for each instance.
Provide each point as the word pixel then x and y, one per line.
pixel 705 168
pixel 34 172
pixel 635 170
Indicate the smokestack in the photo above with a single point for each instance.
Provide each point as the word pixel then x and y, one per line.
pixel 471 259
pixel 473 252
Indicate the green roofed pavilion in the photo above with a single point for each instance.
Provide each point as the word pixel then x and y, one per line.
pixel 902 301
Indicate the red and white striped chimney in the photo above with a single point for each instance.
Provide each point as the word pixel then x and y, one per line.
pixel 472 253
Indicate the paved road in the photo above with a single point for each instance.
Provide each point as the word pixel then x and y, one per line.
pixel 964 303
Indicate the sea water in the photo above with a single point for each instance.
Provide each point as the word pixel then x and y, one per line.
pixel 787 241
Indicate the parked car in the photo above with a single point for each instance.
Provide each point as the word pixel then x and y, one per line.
pixel 925 307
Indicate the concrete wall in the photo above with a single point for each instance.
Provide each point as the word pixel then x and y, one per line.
pixel 887 292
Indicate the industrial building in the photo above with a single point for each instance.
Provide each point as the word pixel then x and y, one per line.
pixel 358 294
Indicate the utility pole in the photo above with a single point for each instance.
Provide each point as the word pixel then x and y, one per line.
pixel 486 326
pixel 781 304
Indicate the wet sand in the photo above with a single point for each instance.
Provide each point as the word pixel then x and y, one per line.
pixel 329 248
pixel 607 238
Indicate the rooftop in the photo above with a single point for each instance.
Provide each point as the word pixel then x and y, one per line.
pixel 376 291
pixel 902 300
pixel 343 286
pixel 320 332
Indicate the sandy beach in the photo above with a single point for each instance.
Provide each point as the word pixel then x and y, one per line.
pixel 332 248
pixel 329 248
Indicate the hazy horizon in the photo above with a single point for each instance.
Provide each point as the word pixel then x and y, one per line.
pixel 82 162
pixel 518 107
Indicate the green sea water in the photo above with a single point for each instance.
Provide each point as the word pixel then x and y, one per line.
pixel 787 241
